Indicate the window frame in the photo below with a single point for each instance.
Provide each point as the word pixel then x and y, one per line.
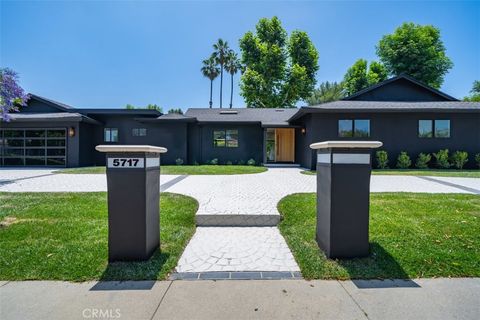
pixel 137 132
pixel 353 129
pixel 449 129
pixel 110 130
pixel 433 133
pixel 227 143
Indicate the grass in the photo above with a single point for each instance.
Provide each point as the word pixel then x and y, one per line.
pixel 419 172
pixel 63 236
pixel 181 170
pixel 411 235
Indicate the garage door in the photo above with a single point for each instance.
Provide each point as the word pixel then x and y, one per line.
pixel 33 147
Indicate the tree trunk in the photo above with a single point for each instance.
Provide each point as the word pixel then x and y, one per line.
pixel 221 84
pixel 211 90
pixel 231 92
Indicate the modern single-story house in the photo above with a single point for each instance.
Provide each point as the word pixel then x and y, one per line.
pixel 403 113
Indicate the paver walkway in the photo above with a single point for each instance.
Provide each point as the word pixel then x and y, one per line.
pixel 237 299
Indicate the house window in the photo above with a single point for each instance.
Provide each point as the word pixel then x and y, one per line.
pixel 358 128
pixel 110 134
pixel 434 128
pixel 442 128
pixel 139 132
pixel 225 138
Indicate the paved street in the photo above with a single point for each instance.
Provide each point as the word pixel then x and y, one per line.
pixel 243 299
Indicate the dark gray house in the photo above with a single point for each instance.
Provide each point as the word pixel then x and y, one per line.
pixel 401 112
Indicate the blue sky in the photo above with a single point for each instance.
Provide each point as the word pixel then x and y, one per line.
pixel 107 54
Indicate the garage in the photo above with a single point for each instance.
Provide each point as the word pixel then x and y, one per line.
pixel 33 147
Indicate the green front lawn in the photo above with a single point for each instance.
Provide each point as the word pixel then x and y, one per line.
pixel 411 235
pixel 63 236
pixel 181 170
pixel 419 172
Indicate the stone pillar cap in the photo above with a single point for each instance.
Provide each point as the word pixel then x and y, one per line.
pixel 346 144
pixel 130 148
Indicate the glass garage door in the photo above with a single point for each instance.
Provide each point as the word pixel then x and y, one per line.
pixel 33 147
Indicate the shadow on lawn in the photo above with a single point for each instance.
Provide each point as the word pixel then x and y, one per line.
pixel 144 273
pixel 381 267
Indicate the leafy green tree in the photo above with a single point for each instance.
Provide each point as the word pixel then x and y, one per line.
pixel 279 71
pixel 376 73
pixel 173 110
pixel 220 52
pixel 415 50
pixel 129 106
pixel 232 65
pixel 326 92
pixel 475 92
pixel 360 75
pixel 148 107
pixel 210 71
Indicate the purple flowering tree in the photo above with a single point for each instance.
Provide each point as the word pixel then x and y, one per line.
pixel 12 95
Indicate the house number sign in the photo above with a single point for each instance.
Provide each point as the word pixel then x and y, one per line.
pixel 126 163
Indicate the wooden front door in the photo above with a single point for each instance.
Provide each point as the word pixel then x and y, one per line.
pixel 285 148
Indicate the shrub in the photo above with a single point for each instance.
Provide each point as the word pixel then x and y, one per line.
pixel 403 160
pixel 422 160
pixel 382 159
pixel 229 163
pixel 251 162
pixel 195 163
pixel 477 159
pixel 214 161
pixel 179 161
pixel 441 159
pixel 459 158
pixel 241 163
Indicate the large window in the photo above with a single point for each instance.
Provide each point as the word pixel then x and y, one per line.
pixel 358 128
pixel 139 132
pixel 225 138
pixel 111 135
pixel 33 147
pixel 434 128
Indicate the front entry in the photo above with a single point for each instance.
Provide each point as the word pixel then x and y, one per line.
pixel 280 145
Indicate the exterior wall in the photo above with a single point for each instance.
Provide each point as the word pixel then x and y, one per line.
pixel 399 132
pixel 172 136
pixel 399 90
pixel 35 106
pixel 73 143
pixel 250 143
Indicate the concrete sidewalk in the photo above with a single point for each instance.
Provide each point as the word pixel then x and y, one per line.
pixel 247 299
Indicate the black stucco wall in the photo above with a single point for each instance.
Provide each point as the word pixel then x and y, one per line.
pixel 398 132
pixel 250 143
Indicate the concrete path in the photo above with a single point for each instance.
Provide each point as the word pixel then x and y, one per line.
pixel 243 299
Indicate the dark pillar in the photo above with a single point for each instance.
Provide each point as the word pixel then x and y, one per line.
pixel 343 192
pixel 133 184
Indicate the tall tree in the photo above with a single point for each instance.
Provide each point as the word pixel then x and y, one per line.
pixel 279 71
pixel 376 73
pixel 220 52
pixel 361 75
pixel 12 96
pixel 210 71
pixel 177 110
pixel 474 93
pixel 232 65
pixel 415 50
pixel 326 92
pixel 356 77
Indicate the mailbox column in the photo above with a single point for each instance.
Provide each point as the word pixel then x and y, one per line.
pixel 343 191
pixel 133 184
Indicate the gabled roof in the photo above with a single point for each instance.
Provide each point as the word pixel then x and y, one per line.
pixel 169 117
pixel 397 78
pixel 53 103
pixel 52 116
pixel 264 116
pixel 118 111
pixel 389 106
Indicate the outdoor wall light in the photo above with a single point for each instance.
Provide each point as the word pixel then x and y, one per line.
pixel 304 130
pixel 71 132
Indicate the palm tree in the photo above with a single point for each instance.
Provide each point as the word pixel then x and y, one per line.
pixel 219 54
pixel 232 65
pixel 211 71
